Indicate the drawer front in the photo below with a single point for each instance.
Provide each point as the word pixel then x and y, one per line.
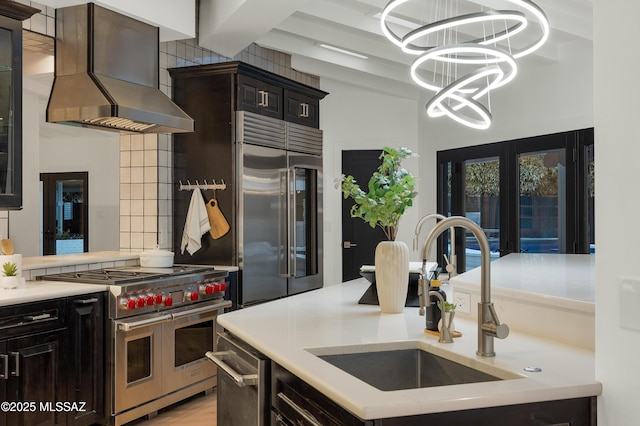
pixel 31 318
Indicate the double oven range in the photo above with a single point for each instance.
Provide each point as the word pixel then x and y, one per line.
pixel 161 323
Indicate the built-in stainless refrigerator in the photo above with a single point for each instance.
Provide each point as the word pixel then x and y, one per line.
pixel 279 198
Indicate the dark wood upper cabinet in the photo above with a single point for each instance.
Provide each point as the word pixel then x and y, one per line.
pixel 11 16
pixel 255 90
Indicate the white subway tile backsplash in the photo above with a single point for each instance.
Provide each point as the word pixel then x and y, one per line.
pixel 125 175
pixel 137 208
pixel 125 158
pixel 150 141
pixel 150 191
pixel 125 207
pixel 150 207
pixel 137 191
pixel 125 223
pixel 125 240
pixel 137 142
pixel 125 191
pixel 150 174
pixel 137 174
pixel 150 224
pixel 137 223
pixel 137 158
pixel 137 240
pixel 151 156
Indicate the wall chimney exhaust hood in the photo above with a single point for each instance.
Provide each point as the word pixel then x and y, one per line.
pixel 106 74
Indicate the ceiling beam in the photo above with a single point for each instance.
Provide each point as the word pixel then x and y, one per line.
pixel 229 26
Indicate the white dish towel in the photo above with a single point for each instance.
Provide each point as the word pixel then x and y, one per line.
pixel 197 223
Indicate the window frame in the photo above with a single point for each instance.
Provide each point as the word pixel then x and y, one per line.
pixel 576 144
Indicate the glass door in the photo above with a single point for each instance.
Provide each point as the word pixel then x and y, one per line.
pixel 65 213
pixel 482 205
pixel 542 201
pixel 305 233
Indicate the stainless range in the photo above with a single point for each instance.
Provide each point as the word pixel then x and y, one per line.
pixel 162 321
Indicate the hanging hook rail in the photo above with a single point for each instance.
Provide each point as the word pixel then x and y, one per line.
pixel 213 186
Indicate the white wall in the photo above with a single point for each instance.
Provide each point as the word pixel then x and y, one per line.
pixel 354 118
pixel 617 151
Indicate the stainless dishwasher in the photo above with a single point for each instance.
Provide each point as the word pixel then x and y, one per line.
pixel 243 383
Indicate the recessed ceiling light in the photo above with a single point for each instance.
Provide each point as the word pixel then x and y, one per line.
pixel 346 52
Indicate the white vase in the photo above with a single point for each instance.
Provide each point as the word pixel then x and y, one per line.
pixel 392 275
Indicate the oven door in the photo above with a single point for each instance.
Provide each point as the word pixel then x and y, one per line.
pixel 187 338
pixel 138 360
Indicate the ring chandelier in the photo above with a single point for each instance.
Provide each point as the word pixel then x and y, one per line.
pixel 464 53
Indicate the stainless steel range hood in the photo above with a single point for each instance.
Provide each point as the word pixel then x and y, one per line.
pixel 106 74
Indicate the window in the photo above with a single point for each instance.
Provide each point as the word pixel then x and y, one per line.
pixel 532 195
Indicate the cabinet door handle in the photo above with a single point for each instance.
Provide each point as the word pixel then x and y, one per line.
pixel 5 370
pixel 264 98
pixel 37 317
pixel 16 359
pixel 304 110
pixel 307 416
pixel 86 301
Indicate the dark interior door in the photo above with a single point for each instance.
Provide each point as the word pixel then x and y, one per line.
pixel 65 212
pixel 359 240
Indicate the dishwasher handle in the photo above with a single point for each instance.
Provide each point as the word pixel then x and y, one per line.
pixel 242 380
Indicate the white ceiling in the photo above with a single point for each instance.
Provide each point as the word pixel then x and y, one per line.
pixel 299 26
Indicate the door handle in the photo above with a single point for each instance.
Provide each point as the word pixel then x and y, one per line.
pixel 348 244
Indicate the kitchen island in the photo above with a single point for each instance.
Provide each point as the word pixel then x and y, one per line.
pixel 293 331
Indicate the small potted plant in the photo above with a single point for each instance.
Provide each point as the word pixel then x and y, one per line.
pixel 447 315
pixel 390 191
pixel 10 278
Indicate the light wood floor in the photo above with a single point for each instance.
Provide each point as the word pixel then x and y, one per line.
pixel 199 410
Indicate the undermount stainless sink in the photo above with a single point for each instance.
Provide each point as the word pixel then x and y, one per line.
pixel 389 367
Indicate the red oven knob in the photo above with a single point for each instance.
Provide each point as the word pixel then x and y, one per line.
pixel 193 296
pixel 140 302
pixel 168 301
pixel 158 299
pixel 130 304
pixel 150 300
pixel 216 288
pixel 210 289
pixel 223 286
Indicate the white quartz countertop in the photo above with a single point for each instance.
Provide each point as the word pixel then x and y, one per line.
pixel 566 280
pixel 34 291
pixel 289 330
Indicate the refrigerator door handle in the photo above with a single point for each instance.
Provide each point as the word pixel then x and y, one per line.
pixel 291 223
pixel 284 246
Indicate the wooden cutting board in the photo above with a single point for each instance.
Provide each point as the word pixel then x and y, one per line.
pixel 219 225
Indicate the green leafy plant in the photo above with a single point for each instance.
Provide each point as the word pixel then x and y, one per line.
pixel 390 192
pixel 448 307
pixel 10 269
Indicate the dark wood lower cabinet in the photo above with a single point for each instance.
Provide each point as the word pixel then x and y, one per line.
pixel 51 357
pixel 86 355
pixel 295 402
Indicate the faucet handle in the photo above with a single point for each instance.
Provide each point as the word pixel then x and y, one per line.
pixel 501 331
pixel 494 327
